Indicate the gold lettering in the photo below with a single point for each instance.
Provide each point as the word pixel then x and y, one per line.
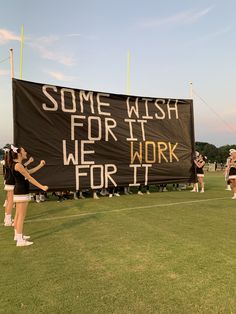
pixel 136 154
pixel 171 151
pixel 161 150
pixel 153 148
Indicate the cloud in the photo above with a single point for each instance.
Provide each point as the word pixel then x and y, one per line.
pixel 184 17
pixel 4 72
pixel 46 46
pixel 209 36
pixel 7 36
pixel 61 76
pixel 74 35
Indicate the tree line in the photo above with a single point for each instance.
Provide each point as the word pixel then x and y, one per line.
pixel 213 153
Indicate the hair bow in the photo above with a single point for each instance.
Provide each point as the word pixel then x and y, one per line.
pixel 14 148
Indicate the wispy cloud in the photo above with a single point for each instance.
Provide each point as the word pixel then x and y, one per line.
pixel 74 35
pixel 184 17
pixel 47 48
pixel 7 36
pixel 4 72
pixel 61 76
pixel 209 36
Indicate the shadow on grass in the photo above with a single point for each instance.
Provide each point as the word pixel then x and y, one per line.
pixel 62 227
pixel 57 208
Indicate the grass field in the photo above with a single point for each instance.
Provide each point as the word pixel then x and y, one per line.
pixel 172 252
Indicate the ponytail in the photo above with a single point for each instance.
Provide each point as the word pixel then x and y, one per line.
pixel 13 154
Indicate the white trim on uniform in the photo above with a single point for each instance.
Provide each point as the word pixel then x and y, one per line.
pixel 22 198
pixel 200 175
pixel 233 176
pixel 9 187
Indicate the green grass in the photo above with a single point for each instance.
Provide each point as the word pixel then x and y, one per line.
pixel 133 254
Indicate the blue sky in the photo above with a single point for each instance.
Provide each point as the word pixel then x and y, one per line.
pixel 84 44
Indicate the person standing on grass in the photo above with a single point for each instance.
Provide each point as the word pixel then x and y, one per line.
pixel 200 162
pixel 226 172
pixel 9 184
pixel 21 191
pixel 232 171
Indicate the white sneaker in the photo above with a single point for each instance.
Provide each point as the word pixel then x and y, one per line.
pixel 234 197
pixel 140 193
pixel 193 191
pixel 110 195
pixel 8 223
pixel 202 191
pixel 42 198
pixel 116 194
pixel 95 197
pixel 103 192
pixel 37 199
pixel 23 243
pixel 25 237
pixel 228 189
pixel 148 192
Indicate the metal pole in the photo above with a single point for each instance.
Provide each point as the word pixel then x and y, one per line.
pixel 21 50
pixel 12 63
pixel 191 90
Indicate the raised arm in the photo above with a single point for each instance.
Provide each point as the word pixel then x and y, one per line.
pixel 199 164
pixel 35 169
pixel 29 161
pixel 19 167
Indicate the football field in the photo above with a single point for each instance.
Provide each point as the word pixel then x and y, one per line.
pixel 167 252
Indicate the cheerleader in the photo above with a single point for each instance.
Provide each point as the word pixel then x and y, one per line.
pixel 232 171
pixel 226 171
pixel 9 181
pixel 9 184
pixel 21 191
pixel 199 162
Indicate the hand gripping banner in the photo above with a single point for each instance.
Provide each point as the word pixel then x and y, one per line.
pixel 96 140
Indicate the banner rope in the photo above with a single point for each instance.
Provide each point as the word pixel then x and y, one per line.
pixel 219 117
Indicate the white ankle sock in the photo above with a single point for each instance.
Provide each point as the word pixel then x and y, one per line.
pixel 19 237
pixel 7 218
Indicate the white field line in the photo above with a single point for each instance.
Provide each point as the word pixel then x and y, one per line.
pixel 124 209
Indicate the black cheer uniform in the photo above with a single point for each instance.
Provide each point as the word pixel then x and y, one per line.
pixel 9 179
pixel 21 190
pixel 199 170
pixel 232 170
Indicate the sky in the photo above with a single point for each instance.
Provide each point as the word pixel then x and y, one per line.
pixel 84 45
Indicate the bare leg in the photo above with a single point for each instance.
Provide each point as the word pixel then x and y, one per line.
pixel 21 209
pixel 200 179
pixel 234 188
pixel 8 208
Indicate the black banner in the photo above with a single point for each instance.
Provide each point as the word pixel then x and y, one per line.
pixel 94 139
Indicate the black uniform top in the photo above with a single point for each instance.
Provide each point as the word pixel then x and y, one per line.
pixel 21 184
pixel 8 176
pixel 199 169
